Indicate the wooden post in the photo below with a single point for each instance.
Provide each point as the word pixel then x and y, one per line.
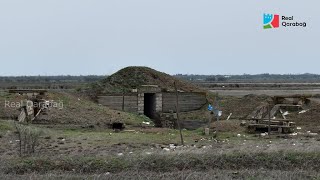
pixel 269 121
pixel 210 119
pixel 207 130
pixel 217 106
pixel 123 100
pixel 177 111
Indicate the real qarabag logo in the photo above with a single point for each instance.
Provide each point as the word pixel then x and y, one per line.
pixel 273 21
pixel 270 21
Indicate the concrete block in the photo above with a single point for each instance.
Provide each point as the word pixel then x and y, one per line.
pixel 207 131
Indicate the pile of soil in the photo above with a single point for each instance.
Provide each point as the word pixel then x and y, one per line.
pixel 241 108
pixel 10 105
pixel 133 77
pixel 74 110
pixel 228 126
pixel 310 120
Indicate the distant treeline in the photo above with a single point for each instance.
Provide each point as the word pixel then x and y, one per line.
pixel 50 79
pixel 192 77
pixel 247 77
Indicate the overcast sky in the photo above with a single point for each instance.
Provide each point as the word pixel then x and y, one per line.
pixel 54 37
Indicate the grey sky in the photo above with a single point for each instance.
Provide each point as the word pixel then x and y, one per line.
pixel 51 37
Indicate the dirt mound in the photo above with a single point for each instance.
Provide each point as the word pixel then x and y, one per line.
pixel 74 110
pixel 309 120
pixel 132 77
pixel 228 126
pixel 9 106
pixel 241 108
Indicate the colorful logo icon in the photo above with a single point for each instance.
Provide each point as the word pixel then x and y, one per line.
pixel 270 21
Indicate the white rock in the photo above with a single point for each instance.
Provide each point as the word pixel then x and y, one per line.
pixel 172 146
pixel 286 113
pixel 264 134
pixel 166 149
pixel 303 111
pixel 148 153
pixel 120 154
pixel 238 135
pixel 312 134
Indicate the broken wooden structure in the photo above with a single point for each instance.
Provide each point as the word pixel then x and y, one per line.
pixel 276 125
pixel 273 116
pixel 34 104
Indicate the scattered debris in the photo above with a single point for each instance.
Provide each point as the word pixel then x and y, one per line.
pixel 303 111
pixel 229 116
pixel 147 123
pixel 243 123
pixel 166 149
pixel 263 134
pixel 309 133
pixel 172 146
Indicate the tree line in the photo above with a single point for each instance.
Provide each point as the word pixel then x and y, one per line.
pixel 249 77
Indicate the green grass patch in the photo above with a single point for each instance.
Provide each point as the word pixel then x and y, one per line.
pixel 6 125
pixel 168 163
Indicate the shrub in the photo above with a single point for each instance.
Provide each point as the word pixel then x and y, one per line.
pixel 28 137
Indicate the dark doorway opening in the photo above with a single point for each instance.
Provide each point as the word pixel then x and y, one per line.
pixel 150 105
pixel 117 126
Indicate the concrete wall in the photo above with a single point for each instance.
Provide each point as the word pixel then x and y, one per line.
pixel 187 101
pixel 159 102
pixel 165 102
pixel 115 102
pixel 140 103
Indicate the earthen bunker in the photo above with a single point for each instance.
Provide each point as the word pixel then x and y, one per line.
pixel 151 101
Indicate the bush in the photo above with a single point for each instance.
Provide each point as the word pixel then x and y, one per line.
pixel 28 137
